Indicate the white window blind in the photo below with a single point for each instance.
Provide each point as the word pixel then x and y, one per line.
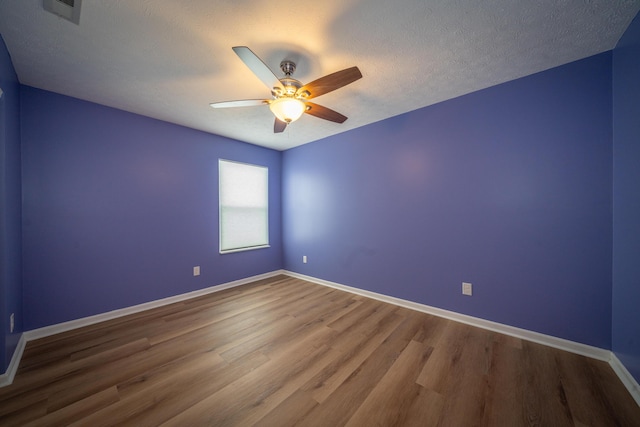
pixel 244 206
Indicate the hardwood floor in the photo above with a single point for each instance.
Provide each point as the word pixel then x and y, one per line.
pixel 283 352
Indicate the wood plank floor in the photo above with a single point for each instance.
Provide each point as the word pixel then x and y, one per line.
pixel 285 352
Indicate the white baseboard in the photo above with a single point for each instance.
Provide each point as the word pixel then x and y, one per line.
pixel 625 376
pixel 551 341
pixel 86 321
pixel 548 340
pixel 7 377
pixel 586 350
pixel 34 334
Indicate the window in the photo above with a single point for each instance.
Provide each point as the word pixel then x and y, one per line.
pixel 244 206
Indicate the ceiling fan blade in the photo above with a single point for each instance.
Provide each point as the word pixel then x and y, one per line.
pixel 240 103
pixel 324 113
pixel 279 126
pixel 330 82
pixel 258 67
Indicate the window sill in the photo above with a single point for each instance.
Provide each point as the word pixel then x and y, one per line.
pixel 250 248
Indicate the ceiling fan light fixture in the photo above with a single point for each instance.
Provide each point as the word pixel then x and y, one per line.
pixel 287 109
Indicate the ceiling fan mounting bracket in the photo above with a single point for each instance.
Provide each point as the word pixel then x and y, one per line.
pixel 288 67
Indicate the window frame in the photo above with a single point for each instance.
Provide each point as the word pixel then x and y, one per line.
pixel 221 206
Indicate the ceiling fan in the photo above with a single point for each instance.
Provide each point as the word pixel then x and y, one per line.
pixel 290 97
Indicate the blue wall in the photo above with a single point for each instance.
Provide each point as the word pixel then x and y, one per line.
pixel 118 208
pixel 10 209
pixel 509 188
pixel 626 199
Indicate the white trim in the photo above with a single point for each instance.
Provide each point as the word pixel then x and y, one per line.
pixel 571 346
pixel 248 248
pixel 221 185
pixel 625 376
pixel 7 377
pixel 560 343
pixel 34 334
pixel 86 321
pixel 585 350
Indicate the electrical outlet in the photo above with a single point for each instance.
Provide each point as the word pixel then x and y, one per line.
pixel 304 259
pixel 12 322
pixel 467 289
pixel 196 270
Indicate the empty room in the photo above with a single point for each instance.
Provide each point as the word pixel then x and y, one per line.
pixel 418 213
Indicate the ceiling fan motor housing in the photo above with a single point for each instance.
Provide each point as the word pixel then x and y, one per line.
pixel 291 86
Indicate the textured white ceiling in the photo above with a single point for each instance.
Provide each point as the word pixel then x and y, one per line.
pixel 168 59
